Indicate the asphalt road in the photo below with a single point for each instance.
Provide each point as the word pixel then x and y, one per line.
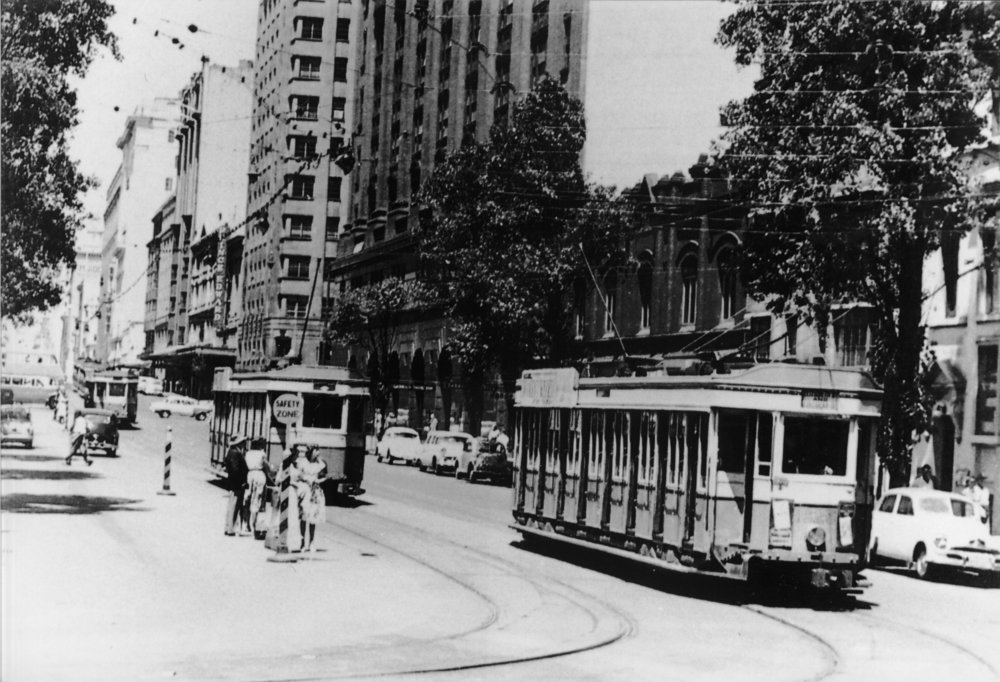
pixel 424 576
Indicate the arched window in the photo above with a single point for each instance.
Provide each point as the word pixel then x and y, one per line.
pixel 689 289
pixel 645 277
pixel 728 279
pixel 611 301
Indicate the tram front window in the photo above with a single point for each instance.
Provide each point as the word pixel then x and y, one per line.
pixel 322 411
pixel 116 390
pixel 815 446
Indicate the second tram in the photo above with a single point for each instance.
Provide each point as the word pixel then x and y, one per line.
pixel 115 390
pixel 765 473
pixel 333 403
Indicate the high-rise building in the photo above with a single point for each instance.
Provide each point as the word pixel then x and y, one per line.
pixel 141 184
pixel 186 336
pixel 304 79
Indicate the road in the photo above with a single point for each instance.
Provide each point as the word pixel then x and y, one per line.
pixel 105 579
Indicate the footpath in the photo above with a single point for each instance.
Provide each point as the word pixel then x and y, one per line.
pixel 104 579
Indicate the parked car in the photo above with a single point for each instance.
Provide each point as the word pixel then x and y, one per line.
pixel 398 443
pixel 482 461
pixel 150 386
pixel 182 405
pixel 103 430
pixel 441 450
pixel 932 531
pixel 16 426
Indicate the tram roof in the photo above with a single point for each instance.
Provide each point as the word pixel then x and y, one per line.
pixel 321 373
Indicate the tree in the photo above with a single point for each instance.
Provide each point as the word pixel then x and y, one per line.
pixel 370 317
pixel 846 158
pixel 42 43
pixel 512 220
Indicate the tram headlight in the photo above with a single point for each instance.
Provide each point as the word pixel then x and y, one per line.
pixel 816 539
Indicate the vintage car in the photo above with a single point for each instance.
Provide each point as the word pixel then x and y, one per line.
pixel 441 450
pixel 398 443
pixel 182 405
pixel 932 531
pixel 102 431
pixel 485 460
pixel 150 386
pixel 16 426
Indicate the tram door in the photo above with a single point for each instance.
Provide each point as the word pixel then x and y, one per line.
pixel 743 457
pixel 695 467
pixel 568 505
pixel 645 476
pixel 553 462
pixel 533 435
pixel 596 464
pixel 621 465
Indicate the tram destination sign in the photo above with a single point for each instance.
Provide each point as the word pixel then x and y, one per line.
pixel 549 387
pixel 819 401
pixel 287 408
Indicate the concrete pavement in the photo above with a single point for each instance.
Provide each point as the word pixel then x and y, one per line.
pixel 104 579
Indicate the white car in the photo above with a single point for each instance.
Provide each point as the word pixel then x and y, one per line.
pixel 398 443
pixel 150 386
pixel 484 461
pixel 182 405
pixel 442 450
pixel 930 530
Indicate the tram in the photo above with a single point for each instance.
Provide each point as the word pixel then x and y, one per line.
pixel 333 403
pixel 766 474
pixel 115 390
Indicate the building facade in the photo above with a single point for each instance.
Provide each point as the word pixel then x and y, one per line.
pixel 84 298
pixel 185 336
pixel 303 85
pixel 141 184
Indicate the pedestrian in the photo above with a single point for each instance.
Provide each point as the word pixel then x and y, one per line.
pixel 502 442
pixel 377 424
pixel 62 407
pixel 258 473
pixel 925 478
pixel 312 473
pixel 236 480
pixel 290 472
pixel 434 421
pixel 81 427
pixel 975 491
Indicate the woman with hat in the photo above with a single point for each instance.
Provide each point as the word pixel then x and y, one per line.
pixel 236 479
pixel 258 473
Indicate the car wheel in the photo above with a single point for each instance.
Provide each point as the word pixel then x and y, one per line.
pixel 30 444
pixel 920 565
pixel 112 452
pixel 388 458
pixel 378 457
pixel 434 466
pixel 163 414
pixel 201 416
pixel 458 471
pixel 470 475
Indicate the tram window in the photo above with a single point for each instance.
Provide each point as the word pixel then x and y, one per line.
pixel 355 415
pixel 736 439
pixel 815 446
pixel 764 428
pixel 322 411
pixel 116 390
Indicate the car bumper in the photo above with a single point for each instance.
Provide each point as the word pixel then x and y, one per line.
pixel 495 469
pixel 973 560
pixel 19 439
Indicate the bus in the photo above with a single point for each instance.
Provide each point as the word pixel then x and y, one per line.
pixel 764 474
pixel 115 390
pixel 34 382
pixel 334 401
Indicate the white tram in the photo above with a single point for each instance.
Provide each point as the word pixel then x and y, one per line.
pixel 759 472
pixel 333 402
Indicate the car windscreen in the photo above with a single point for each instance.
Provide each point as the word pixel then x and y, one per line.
pixel 98 418
pixel 815 446
pixel 935 505
pixel 402 434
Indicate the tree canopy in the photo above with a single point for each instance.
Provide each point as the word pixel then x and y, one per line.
pixel 42 43
pixel 846 156
pixel 511 221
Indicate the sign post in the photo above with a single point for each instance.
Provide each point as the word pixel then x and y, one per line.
pixel 286 409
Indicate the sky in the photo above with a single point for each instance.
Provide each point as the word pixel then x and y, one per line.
pixel 647 120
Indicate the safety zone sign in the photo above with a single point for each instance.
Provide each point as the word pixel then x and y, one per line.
pixel 287 408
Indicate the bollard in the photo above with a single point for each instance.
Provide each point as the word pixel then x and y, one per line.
pixel 166 464
pixel 281 553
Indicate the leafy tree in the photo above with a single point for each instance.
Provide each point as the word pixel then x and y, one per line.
pixel 846 156
pixel 511 221
pixel 42 43
pixel 370 317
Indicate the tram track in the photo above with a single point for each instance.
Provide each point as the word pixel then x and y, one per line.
pixel 832 656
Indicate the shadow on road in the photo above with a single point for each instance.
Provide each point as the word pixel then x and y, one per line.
pixel 24 503
pixel 703 586
pixel 48 474
pixel 26 456
pixel 944 577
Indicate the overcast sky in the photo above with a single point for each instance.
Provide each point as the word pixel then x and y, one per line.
pixel 666 75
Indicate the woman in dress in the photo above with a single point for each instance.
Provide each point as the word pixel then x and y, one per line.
pixel 312 473
pixel 258 473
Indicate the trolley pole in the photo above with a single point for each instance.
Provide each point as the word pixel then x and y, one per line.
pixel 166 464
pixel 281 553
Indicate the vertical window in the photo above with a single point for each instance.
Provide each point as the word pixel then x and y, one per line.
pixel 689 290
pixel 949 267
pixel 169 184
pixel 299 226
pixel 986 393
pixel 333 189
pixel 343 30
pixel 310 28
pixel 610 302
pixel 301 187
pixel 332 228
pixel 298 267
pixel 339 105
pixel 645 277
pixel 791 333
pixel 851 337
pixel 340 69
pixel 726 263
pixel 308 68
pixel 579 308
pixel 295 306
pixel 760 337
